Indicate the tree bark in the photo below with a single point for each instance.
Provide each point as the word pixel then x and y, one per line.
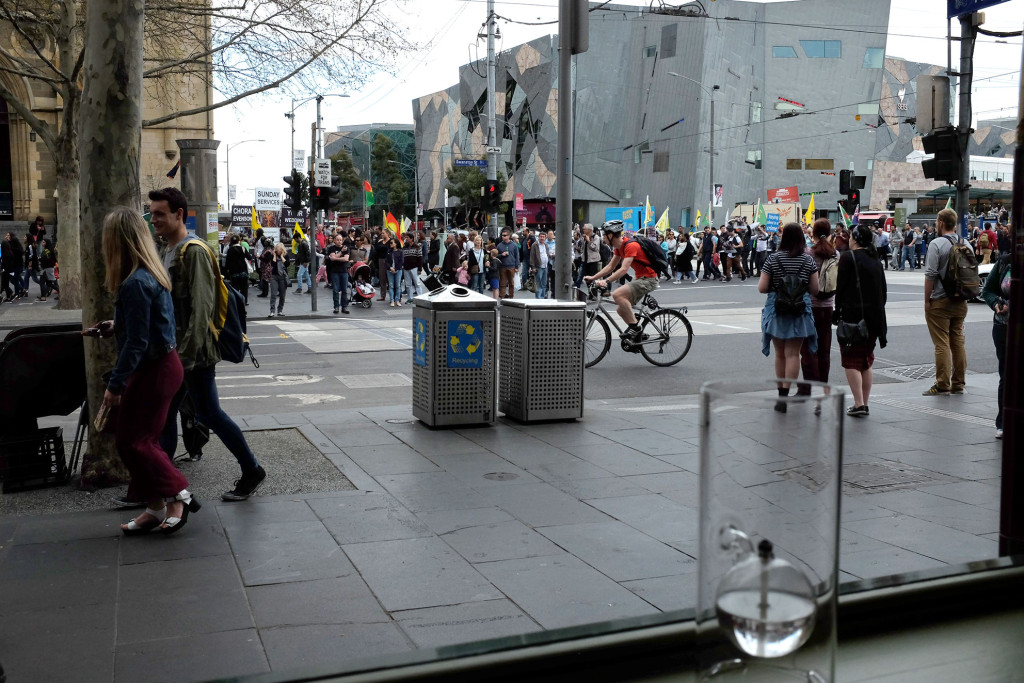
pixel 68 178
pixel 110 147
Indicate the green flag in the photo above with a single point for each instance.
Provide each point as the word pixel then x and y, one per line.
pixel 369 193
pixel 760 215
pixel 949 203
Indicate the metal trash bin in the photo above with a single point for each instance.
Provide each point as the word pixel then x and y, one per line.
pixel 541 359
pixel 453 357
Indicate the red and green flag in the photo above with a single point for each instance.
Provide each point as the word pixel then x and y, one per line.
pixel 844 217
pixel 369 193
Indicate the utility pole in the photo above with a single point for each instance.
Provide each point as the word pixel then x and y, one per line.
pixel 711 207
pixel 311 235
pixel 492 129
pixel 968 32
pixel 1011 507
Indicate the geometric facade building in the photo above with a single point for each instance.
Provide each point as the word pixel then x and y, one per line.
pixel 797 102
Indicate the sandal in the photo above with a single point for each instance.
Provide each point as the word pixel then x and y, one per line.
pixel 133 528
pixel 173 524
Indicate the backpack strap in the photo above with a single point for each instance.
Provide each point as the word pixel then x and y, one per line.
pixel 220 301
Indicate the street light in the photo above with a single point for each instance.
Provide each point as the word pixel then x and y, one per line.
pixel 416 181
pixel 291 115
pixel 227 156
pixel 711 95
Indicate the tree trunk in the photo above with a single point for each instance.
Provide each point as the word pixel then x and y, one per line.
pixel 68 179
pixel 110 147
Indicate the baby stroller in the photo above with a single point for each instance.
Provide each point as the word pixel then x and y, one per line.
pixel 362 289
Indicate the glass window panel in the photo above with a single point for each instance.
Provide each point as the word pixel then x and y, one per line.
pixel 813 48
pixel 874 57
pixel 784 51
pixel 755 116
pixel 833 49
pixel 819 164
pixel 650 51
pixel 794 164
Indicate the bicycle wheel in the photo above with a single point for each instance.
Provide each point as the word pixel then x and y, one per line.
pixel 597 339
pixel 669 337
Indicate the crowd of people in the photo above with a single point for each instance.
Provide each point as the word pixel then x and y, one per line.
pixel 32 259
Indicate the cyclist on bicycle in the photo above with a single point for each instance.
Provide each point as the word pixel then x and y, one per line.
pixel 626 254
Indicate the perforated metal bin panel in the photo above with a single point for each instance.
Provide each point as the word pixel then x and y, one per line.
pixel 453 372
pixel 541 364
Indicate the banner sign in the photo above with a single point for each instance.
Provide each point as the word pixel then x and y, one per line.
pixel 519 201
pixel 289 217
pixel 241 216
pixel 717 201
pixel 784 195
pixel 771 223
pixel 299 160
pixel 471 162
pixel 268 199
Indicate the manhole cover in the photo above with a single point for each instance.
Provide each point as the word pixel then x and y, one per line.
pixel 501 476
pixel 909 373
pixel 813 477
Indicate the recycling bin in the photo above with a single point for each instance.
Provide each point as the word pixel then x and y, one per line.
pixel 453 357
pixel 541 359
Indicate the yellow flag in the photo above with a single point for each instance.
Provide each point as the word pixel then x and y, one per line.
pixel 662 224
pixel 809 214
pixel 298 231
pixel 697 222
pixel 647 211
pixel 255 221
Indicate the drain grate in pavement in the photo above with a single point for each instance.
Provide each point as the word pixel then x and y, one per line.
pixel 909 373
pixel 865 477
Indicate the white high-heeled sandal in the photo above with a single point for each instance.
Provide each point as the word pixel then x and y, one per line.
pixel 191 504
pixel 133 528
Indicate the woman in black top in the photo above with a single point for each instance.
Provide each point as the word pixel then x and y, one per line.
pixel 861 295
pixel 434 251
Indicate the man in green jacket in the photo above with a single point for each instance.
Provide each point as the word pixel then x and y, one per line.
pixel 195 297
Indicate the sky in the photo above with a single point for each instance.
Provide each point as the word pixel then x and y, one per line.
pixel 448 29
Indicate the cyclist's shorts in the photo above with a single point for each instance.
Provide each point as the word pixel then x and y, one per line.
pixel 639 287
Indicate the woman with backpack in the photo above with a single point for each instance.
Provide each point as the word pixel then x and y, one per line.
pixel 860 307
pixel 816 364
pixel 789 278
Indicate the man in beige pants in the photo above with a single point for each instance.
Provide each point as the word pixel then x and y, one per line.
pixel 944 315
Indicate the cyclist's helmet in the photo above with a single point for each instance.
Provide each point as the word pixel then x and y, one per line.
pixel 613 227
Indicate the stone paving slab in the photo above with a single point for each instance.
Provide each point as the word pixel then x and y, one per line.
pixel 455 535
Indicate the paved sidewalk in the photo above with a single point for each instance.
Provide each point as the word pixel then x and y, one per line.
pixel 459 535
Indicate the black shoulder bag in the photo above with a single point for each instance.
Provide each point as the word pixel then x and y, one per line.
pixel 851 334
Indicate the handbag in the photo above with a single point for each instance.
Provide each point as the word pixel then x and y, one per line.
pixel 531 283
pixel 852 334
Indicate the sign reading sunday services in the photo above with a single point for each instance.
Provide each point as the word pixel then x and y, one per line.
pixel 268 199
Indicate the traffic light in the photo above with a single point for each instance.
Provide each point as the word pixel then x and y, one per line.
pixel 326 198
pixel 944 143
pixel 492 197
pixel 845 181
pixel 293 198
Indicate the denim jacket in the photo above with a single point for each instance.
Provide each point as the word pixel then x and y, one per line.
pixel 143 325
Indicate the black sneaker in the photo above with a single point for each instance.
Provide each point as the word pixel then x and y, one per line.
pixel 125 503
pixel 247 485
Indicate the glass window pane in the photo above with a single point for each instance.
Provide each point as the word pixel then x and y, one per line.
pixel 784 51
pixel 756 113
pixel 794 164
pixel 819 164
pixel 813 48
pixel 833 49
pixel 874 57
